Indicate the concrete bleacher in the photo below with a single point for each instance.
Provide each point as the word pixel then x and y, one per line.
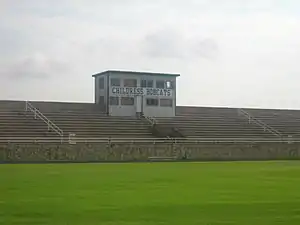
pixel 87 120
pixel 84 119
pixel 286 122
pixel 15 123
pixel 93 124
pixel 208 122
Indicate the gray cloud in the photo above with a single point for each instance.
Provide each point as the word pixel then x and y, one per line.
pixel 172 44
pixel 36 66
pixel 12 41
pixel 206 48
pixel 165 44
pixel 230 53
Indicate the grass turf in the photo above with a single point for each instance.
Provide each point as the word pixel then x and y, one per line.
pixel 244 193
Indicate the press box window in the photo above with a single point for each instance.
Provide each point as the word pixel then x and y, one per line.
pixel 130 83
pixel 166 102
pixel 114 100
pixel 101 83
pixel 169 84
pixel 147 83
pixel 115 82
pixel 127 101
pixel 164 84
pixel 160 84
pixel 152 102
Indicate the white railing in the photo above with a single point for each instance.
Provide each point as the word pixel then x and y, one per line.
pixel 266 127
pixel 75 140
pixel 38 114
pixel 151 120
pixel 71 139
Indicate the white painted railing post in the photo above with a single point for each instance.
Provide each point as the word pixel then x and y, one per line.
pixel 260 123
pixel 290 139
pixel 49 123
pixel 151 120
pixel 71 142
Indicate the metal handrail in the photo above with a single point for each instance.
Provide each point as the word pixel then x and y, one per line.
pixel 151 120
pixel 40 115
pixel 151 139
pixel 260 123
pixel 145 140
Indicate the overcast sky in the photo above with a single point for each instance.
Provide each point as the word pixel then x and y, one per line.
pixel 240 53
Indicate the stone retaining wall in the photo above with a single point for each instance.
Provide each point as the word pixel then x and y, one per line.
pixel 81 152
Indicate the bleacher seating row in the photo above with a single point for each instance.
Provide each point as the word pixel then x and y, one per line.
pixel 86 120
pixel 83 119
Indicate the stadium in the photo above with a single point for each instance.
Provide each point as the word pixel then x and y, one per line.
pixel 135 119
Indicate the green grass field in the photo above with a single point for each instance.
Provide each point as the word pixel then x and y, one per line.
pixel 244 193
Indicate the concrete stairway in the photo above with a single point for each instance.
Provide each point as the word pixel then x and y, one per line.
pixel 205 122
